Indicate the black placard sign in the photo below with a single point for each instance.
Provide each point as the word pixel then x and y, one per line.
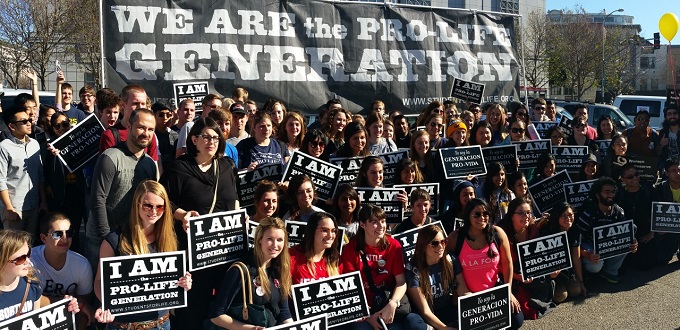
pixel 542 127
pixel 565 125
pixel 487 310
pixel 391 160
pixel 252 226
pixel 528 152
pixel 549 191
pixel 613 239
pixel 665 217
pixel 647 166
pixel 350 169
pixel 319 322
pixel 569 158
pixel 341 297
pixel 81 143
pixel 216 239
pixel 191 90
pixel 544 255
pixel 142 283
pixel 324 175
pixel 247 181
pixel 461 161
pixel 51 317
pixel 603 147
pixel 431 188
pixel 576 193
pixel 385 198
pixel 409 238
pixel 296 232
pixel 506 155
pixel 468 91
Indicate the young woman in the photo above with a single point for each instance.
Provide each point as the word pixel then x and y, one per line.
pixel 408 172
pixel 545 167
pixel 420 204
pixel 517 182
pixel 481 243
pixel 59 124
pixel 266 197
pixel 590 169
pixel 377 144
pixel 318 255
pixel 150 229
pixel 334 128
pixel 261 149
pixel 434 279
pixel 495 115
pixel 421 155
pixel 292 130
pixel 518 132
pixel 371 175
pixel 495 191
pixel 301 196
pixel 578 138
pixel 481 134
pixel 462 194
pixel 270 274
pixel 277 111
pixel 535 294
pixel 388 131
pixel 606 129
pixel 616 157
pixel 434 126
pixel 355 142
pixel 383 256
pixel 314 144
pixel 346 206
pixel 556 135
pixel 457 135
pixel 434 107
pixel 20 289
pixel 468 118
pixel 569 282
pixel 44 115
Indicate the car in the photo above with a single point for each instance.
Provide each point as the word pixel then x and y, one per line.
pixel 631 104
pixel 7 96
pixel 597 110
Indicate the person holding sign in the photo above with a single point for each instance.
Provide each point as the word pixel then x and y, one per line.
pixel 668 191
pixel 556 135
pixel 261 148
pixel 355 142
pixel 590 169
pixel 545 167
pixel 314 144
pixel 377 144
pixel 346 206
pixel 380 259
pixel 420 203
pixel 462 194
pixel 579 137
pixel 600 210
pixel 266 198
pixel 270 274
pixel 434 126
pixel 518 131
pixel 484 253
pixel 434 278
pixel 19 287
pixel 535 294
pixel 371 175
pixel 301 196
pixel 495 190
pixel 318 255
pixel 150 229
pixel 569 282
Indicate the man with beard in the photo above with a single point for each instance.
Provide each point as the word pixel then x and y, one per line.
pixel 668 136
pixel 118 171
pixel 601 210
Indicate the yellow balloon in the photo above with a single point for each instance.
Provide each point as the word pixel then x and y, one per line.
pixel 668 26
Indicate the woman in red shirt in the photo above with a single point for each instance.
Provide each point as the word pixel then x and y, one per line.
pixel 318 255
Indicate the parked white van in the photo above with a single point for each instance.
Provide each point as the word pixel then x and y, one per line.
pixel 631 104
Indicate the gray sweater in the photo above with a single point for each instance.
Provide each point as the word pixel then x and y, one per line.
pixel 21 172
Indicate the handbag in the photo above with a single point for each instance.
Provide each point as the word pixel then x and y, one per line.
pixel 382 296
pixel 247 312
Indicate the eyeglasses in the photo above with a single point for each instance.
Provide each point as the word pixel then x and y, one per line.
pixel 317 144
pixel 567 216
pixel 634 175
pixel 22 122
pixel 149 207
pixel 481 214
pixel 435 244
pixel 58 234
pixel 579 125
pixel 63 124
pixel 20 260
pixel 539 108
pixel 164 114
pixel 524 213
pixel 210 138
pixel 517 130
pixel 436 125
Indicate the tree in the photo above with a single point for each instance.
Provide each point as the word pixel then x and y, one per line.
pixel 86 43
pixel 15 29
pixel 534 40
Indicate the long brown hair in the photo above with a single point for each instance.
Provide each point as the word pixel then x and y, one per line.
pixel 368 211
pixel 332 255
pixel 10 242
pixel 327 127
pixel 425 235
pixel 283 135
pixel 281 263
pixel 133 240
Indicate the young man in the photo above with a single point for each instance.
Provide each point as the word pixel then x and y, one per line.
pixel 64 98
pixel 30 105
pixel 538 109
pixel 331 105
pixel 22 189
pixel 601 210
pixel 643 141
pixel 223 119
pixel 87 100
pixel 239 117
pixel 550 111
pixel 167 138
pixel 61 271
pixel 108 107
pixel 582 110
pixel 185 114
pixel 668 136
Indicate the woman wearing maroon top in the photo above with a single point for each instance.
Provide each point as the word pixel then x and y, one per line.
pixel 318 255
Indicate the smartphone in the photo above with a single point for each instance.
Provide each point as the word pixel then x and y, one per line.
pixel 382 323
pixel 57 65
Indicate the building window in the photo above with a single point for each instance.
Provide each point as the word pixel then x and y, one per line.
pixel 510 6
pixel 647 63
pixel 654 84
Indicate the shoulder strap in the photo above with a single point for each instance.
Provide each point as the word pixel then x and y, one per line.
pixel 116 134
pixel 460 239
pixel 23 301
pixel 216 170
pixel 367 272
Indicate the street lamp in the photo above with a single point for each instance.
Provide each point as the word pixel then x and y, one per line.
pixel 603 19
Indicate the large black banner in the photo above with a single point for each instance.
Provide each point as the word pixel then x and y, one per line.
pixel 385 198
pixel 341 297
pixel 549 191
pixel 247 181
pixel 544 255
pixel 306 52
pixel 431 188
pixel 142 283
pixel 485 310
pixel 216 239
pixel 613 239
pixel 528 152
pixel 51 317
pixel 80 144
pixel 324 175
pixel 665 217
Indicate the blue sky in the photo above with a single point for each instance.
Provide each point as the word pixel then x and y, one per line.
pixel 645 13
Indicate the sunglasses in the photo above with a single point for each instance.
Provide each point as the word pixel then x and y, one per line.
pixel 22 122
pixel 579 125
pixel 20 260
pixel 63 124
pixel 149 207
pixel 481 214
pixel 435 244
pixel 58 234
pixel 436 125
pixel 164 114
pixel 634 175
pixel 318 144
pixel 539 108
pixel 517 130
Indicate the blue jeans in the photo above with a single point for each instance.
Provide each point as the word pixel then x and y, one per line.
pixel 411 321
pixel 164 326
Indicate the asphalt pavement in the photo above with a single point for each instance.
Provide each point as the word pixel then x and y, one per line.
pixel 641 300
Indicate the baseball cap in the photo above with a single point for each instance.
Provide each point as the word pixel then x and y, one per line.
pixel 159 106
pixel 238 107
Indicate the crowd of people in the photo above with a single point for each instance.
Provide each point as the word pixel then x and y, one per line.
pixel 159 166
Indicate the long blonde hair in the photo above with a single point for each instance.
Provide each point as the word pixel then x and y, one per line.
pixel 281 263
pixel 133 240
pixel 10 242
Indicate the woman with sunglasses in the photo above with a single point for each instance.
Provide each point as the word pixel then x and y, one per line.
pixel 150 229
pixel 318 255
pixel 434 126
pixel 434 107
pixel 579 138
pixel 518 131
pixel 377 144
pixel 434 279
pixel 202 181
pixel 314 144
pixel 19 287
pixel 261 149
pixel 533 294
pixel 479 242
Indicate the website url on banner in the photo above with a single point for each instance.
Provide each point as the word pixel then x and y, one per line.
pixel 425 100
